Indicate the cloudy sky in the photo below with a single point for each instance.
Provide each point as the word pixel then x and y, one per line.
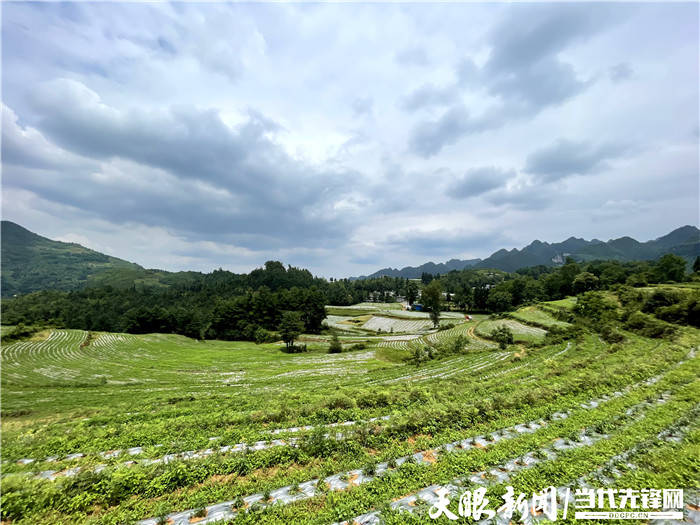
pixel 345 138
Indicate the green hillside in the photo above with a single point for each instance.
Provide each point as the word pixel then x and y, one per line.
pixel 31 262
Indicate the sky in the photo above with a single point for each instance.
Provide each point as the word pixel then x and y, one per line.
pixel 345 138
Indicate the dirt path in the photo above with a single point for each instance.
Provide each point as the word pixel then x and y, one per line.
pixel 472 334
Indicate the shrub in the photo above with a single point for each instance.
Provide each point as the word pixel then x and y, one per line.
pixel 340 401
pixel 503 336
pixel 265 336
pixel 648 326
pixel 21 331
pixel 370 469
pixel 419 355
pixel 685 312
pixel 374 399
pixel 659 298
pixel 295 349
pixel 317 444
pixel 593 307
pixel 610 334
pixel 335 346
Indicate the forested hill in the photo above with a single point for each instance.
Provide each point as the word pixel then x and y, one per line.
pixel 31 262
pixel 683 241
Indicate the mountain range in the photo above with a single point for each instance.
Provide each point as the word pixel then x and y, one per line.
pixel 31 262
pixel 683 241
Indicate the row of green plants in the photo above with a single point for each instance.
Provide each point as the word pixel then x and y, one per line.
pixel 411 478
pixel 340 406
pixel 439 419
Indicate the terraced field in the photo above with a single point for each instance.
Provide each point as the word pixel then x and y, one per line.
pixel 388 324
pixel 567 303
pixel 538 317
pixel 148 429
pixel 521 332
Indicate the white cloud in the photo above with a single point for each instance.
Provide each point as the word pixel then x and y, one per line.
pixel 206 135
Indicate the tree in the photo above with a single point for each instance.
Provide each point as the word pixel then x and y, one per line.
pixel 335 346
pixel 567 274
pixel 585 282
pixel 431 297
pixel 290 327
pixel 464 296
pixel 670 268
pixel 499 300
pixel 426 277
pixel 411 292
pixel 696 264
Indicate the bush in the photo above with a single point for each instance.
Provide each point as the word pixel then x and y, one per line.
pixel 335 346
pixel 374 399
pixel 685 312
pixel 610 334
pixel 660 298
pixel 317 444
pixel 21 331
pixel 503 336
pixel 648 326
pixel 370 469
pixel 593 307
pixel 419 355
pixel 265 336
pixel 340 402
pixel 295 349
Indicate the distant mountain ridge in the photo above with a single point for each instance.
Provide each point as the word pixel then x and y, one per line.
pixel 414 272
pixel 31 262
pixel 683 241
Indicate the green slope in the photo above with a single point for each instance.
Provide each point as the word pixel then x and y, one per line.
pixel 31 262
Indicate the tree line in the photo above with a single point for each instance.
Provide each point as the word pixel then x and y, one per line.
pixel 497 291
pixel 225 305
pixel 219 305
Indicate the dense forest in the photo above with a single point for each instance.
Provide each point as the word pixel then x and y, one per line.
pixel 226 305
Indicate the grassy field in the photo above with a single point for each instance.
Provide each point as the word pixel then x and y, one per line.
pixel 105 428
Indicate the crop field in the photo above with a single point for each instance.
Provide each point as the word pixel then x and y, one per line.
pixel 521 332
pixel 538 317
pixel 392 310
pixel 106 428
pixel 368 318
pixel 567 303
pixel 388 324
